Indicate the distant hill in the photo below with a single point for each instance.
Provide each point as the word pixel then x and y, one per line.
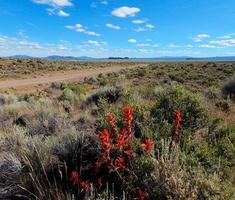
pixel 164 58
pixel 20 57
pixel 55 57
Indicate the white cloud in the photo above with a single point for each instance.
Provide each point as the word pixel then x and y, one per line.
pixel 143 45
pixel 93 42
pixel 140 29
pixel 79 28
pixel 138 21
pixel 132 41
pixel 189 46
pixel 150 26
pixel 55 11
pixel 92 33
pixel 63 14
pixel 225 37
pixel 201 37
pixel 62 47
pixel 96 43
pixel 225 43
pixel 207 46
pixel 13 46
pixel 125 12
pixel 173 46
pixel 145 51
pixel 156 45
pixel 54 3
pixel 113 26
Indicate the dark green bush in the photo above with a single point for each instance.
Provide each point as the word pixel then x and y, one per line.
pixel 228 89
pixel 195 114
pixel 110 93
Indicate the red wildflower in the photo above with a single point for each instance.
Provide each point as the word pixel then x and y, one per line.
pixel 120 163
pixel 128 117
pixel 129 153
pixel 178 120
pixel 148 145
pixel 123 139
pixel 112 122
pixel 143 195
pixel 105 136
pixel 74 177
pixel 105 139
pixel 97 166
pixel 84 185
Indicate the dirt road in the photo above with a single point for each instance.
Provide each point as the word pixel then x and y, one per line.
pixel 30 83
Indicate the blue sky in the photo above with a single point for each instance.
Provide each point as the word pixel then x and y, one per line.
pixel 101 28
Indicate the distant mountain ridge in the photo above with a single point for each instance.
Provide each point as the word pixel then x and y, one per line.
pixel 164 58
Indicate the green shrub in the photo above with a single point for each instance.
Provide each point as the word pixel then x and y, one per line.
pixel 78 89
pixel 68 95
pixel 110 93
pixel 195 114
pixel 58 85
pixel 228 89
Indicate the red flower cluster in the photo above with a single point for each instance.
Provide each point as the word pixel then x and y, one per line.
pixel 116 154
pixel 148 145
pixel 143 195
pixel 116 146
pixel 84 185
pixel 75 178
pixel 178 121
pixel 128 117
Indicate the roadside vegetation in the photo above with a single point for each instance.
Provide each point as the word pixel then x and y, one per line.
pixel 21 68
pixel 164 131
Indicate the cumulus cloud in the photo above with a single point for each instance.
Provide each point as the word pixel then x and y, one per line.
pixel 146 51
pixel 61 13
pixel 201 37
pixel 81 29
pixel 225 37
pixel 56 6
pixel 132 41
pixel 96 43
pixel 173 46
pixel 147 27
pixel 150 26
pixel 140 29
pixel 54 3
pixel 138 21
pixel 207 46
pixel 113 26
pixel 142 45
pixel 125 12
pixel 12 46
pixel 189 46
pixel 224 43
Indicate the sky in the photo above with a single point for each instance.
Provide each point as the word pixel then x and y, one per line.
pixel 103 28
